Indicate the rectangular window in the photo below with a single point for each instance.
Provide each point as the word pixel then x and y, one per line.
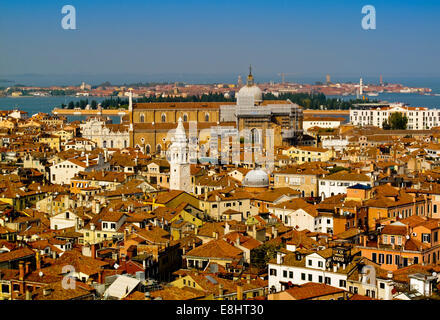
pixel 374 257
pixel 328 280
pixel 273 272
pixel 389 259
pixel 291 274
pixel 426 237
pixel 342 283
pixel 303 276
pixel 310 278
pixel 382 285
pixel 285 273
pixel 396 260
pixel 381 258
pixel 320 279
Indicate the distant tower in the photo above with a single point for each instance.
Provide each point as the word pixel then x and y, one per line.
pixel 250 79
pixel 240 82
pixel 130 116
pixel 130 100
pixel 361 84
pixel 177 154
pixel 381 80
pixel 328 79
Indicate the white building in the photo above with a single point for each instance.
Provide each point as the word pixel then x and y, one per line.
pixel 296 213
pixel 106 135
pixel 322 122
pixel 335 143
pixel 321 267
pixel 64 220
pixel 62 172
pixel 177 155
pixel 338 182
pixel 324 223
pixel 418 118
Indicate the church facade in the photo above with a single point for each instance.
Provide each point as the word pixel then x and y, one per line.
pixel 105 135
pixel 150 123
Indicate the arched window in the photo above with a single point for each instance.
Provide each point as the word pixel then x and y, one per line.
pixel 125 143
pixel 255 136
pixel 111 144
pixel 158 148
pixel 147 149
pixel 142 118
pixel 164 117
pixel 207 117
pixel 104 144
pixel 185 117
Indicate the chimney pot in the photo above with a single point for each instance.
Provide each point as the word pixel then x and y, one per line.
pixel 21 270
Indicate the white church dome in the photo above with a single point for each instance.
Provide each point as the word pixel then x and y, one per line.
pixel 256 178
pixel 251 91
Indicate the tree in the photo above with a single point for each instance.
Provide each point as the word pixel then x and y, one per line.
pixel 386 125
pixel 336 169
pixel 398 121
pixel 263 254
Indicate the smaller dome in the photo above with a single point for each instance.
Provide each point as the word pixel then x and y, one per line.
pixel 256 178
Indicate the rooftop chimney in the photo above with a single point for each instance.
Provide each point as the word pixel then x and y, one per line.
pixel 100 277
pixel 239 292
pixel 220 290
pixel 21 270
pixel 93 248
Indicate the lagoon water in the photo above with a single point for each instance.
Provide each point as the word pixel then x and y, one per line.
pixel 34 105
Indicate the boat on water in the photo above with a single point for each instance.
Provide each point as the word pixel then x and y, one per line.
pixel 372 94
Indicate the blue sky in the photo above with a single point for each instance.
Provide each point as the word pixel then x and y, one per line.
pixel 220 37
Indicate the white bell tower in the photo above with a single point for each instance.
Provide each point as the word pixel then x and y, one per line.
pixel 177 154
